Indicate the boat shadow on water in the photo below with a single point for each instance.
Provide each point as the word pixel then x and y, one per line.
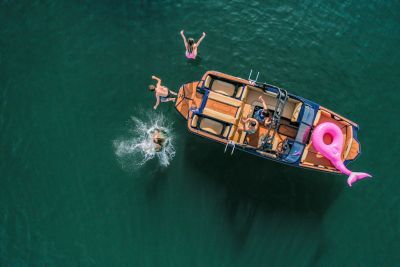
pixel 257 188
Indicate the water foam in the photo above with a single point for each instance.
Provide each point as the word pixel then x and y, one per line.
pixel 138 148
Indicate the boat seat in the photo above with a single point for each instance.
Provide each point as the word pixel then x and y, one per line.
pixel 224 99
pixel 226 131
pixel 317 117
pixel 348 142
pixel 207 81
pixel 245 92
pixel 296 112
pixel 226 88
pixel 211 126
pixel 223 87
pixel 219 116
pixel 242 92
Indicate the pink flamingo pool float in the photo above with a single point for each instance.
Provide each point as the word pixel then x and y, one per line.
pixel 333 151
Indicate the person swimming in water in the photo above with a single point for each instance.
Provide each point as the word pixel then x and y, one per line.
pixel 159 140
pixel 191 46
pixel 162 93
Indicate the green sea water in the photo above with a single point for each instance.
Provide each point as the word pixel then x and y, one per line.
pixel 74 73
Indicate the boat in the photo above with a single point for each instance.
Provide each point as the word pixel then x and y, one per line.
pixel 215 105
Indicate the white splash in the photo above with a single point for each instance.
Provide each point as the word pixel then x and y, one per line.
pixel 138 148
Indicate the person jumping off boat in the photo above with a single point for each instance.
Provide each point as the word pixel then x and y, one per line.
pixel 191 46
pixel 162 93
pixel 262 115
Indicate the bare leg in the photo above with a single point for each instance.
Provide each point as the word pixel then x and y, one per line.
pixel 172 92
pixel 170 99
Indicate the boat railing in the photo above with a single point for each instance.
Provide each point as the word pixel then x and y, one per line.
pixel 251 80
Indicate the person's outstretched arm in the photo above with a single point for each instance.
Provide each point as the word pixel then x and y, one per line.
pixel 157 79
pixel 263 102
pixel 201 39
pixel 184 39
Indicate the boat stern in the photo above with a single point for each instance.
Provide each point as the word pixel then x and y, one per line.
pixel 351 147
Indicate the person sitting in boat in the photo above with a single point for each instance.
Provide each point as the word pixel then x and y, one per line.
pixel 191 46
pixel 158 140
pixel 162 93
pixel 250 125
pixel 263 142
pixel 262 114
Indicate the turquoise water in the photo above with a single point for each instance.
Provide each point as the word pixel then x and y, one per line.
pixel 73 73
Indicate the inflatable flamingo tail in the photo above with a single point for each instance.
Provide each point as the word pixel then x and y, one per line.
pixel 355 176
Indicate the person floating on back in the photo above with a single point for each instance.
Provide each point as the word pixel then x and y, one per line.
pixel 191 46
pixel 162 93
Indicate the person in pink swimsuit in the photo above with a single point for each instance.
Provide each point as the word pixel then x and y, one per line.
pixel 191 46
